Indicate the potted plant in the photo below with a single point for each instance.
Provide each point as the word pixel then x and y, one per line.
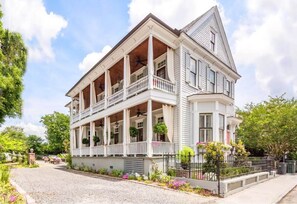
pixel 184 156
pixel 133 132
pixel 86 141
pixel 160 129
pixel 96 139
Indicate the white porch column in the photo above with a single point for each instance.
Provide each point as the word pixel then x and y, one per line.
pixel 125 132
pixel 125 77
pixel 71 110
pixel 216 123
pixel 105 89
pixel 195 125
pixel 80 139
pixel 92 134
pixel 80 104
pixel 149 130
pixel 150 61
pixel 91 97
pixel 105 135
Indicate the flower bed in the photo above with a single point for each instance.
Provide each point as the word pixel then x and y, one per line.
pixel 8 194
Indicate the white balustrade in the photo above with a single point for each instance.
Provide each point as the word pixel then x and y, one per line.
pixel 163 84
pixel 98 106
pixel 85 151
pixel 85 113
pixel 115 98
pixel 98 150
pixel 75 118
pixel 115 149
pixel 75 152
pixel 137 148
pixel 162 147
pixel 138 86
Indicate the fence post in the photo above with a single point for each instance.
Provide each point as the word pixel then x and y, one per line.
pixel 218 175
pixel 189 163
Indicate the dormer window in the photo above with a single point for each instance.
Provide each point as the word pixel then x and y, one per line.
pixel 212 41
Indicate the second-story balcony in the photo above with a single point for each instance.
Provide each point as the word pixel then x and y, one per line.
pixel 149 66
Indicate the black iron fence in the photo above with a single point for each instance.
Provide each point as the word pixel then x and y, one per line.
pixel 197 167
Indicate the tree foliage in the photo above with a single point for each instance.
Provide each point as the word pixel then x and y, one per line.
pixel 13 139
pixel 35 142
pixel 13 59
pixel 271 126
pixel 57 131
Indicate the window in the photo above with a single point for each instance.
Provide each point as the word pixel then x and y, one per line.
pixel 228 88
pixel 139 76
pixel 211 79
pixel 212 41
pixel 139 126
pixel 193 72
pixel 160 120
pixel 161 69
pixel 221 127
pixel 205 127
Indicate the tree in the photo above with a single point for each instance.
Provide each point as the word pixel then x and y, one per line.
pixel 13 139
pixel 271 126
pixel 13 59
pixel 57 131
pixel 34 142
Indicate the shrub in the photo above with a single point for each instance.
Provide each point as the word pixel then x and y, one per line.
pixel 125 176
pixel 68 159
pixel 116 173
pixel 185 155
pixel 14 158
pixel 240 154
pixel 4 174
pixel 20 159
pixel 234 171
pixel 214 154
pixel 171 172
pixel 163 178
pixel 102 171
pixel 156 173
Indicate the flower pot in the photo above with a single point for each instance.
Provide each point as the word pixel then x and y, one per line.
pixel 185 166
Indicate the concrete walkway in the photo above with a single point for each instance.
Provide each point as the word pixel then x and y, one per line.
pixel 268 192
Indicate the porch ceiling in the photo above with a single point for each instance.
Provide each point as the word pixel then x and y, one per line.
pixel 99 84
pixel 139 54
pixel 117 72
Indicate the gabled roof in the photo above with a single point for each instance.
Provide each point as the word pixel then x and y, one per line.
pixel 198 21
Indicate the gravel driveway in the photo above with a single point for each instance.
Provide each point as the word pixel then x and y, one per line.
pixel 53 184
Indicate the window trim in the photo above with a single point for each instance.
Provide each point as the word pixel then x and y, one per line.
pixel 196 74
pixel 212 40
pixel 205 128
pixel 221 129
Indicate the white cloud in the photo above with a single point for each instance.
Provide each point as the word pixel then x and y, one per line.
pixel 176 13
pixel 29 128
pixel 37 26
pixel 92 58
pixel 266 40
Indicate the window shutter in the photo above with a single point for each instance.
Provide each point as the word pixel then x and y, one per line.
pixel 207 77
pixel 224 84
pixel 187 67
pixel 232 89
pixel 200 74
pixel 145 71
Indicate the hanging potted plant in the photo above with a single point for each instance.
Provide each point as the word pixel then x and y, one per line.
pixel 96 139
pixel 86 141
pixel 160 129
pixel 133 132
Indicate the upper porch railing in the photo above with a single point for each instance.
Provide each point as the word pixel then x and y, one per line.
pixel 132 90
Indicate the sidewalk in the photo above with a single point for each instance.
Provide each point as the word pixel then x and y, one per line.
pixel 268 192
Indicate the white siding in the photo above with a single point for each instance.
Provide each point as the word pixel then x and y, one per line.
pixel 202 36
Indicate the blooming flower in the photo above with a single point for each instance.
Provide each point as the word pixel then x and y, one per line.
pixel 12 198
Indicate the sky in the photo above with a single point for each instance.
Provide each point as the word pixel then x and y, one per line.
pixel 66 37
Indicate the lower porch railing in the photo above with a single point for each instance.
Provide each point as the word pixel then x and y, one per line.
pixel 115 149
pixel 137 148
pixel 133 148
pixel 98 150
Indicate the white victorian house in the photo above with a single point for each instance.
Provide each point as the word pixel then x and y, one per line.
pixel 183 78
